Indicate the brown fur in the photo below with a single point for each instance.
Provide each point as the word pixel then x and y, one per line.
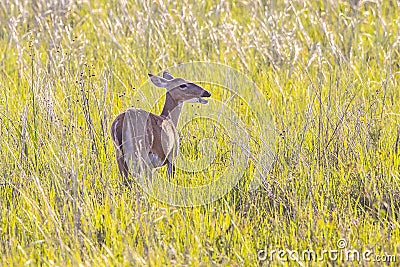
pixel 154 129
pixel 161 142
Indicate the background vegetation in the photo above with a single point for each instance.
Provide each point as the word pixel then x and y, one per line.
pixel 330 70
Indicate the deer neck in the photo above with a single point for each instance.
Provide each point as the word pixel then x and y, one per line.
pixel 172 109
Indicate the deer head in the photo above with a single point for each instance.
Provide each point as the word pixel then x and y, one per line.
pixel 180 89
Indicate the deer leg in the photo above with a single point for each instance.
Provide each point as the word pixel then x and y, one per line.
pixel 170 169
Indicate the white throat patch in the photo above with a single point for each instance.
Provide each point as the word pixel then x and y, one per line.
pixel 192 100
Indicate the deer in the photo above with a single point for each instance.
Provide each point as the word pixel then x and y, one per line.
pixel 144 141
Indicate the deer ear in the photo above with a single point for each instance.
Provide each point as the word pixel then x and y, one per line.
pixel 167 75
pixel 158 81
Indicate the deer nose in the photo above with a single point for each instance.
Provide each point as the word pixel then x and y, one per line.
pixel 206 94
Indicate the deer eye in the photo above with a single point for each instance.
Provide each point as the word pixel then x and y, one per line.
pixel 183 86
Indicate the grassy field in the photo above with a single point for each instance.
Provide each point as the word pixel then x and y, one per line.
pixel 330 71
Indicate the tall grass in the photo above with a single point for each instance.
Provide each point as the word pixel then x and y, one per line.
pixel 330 70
